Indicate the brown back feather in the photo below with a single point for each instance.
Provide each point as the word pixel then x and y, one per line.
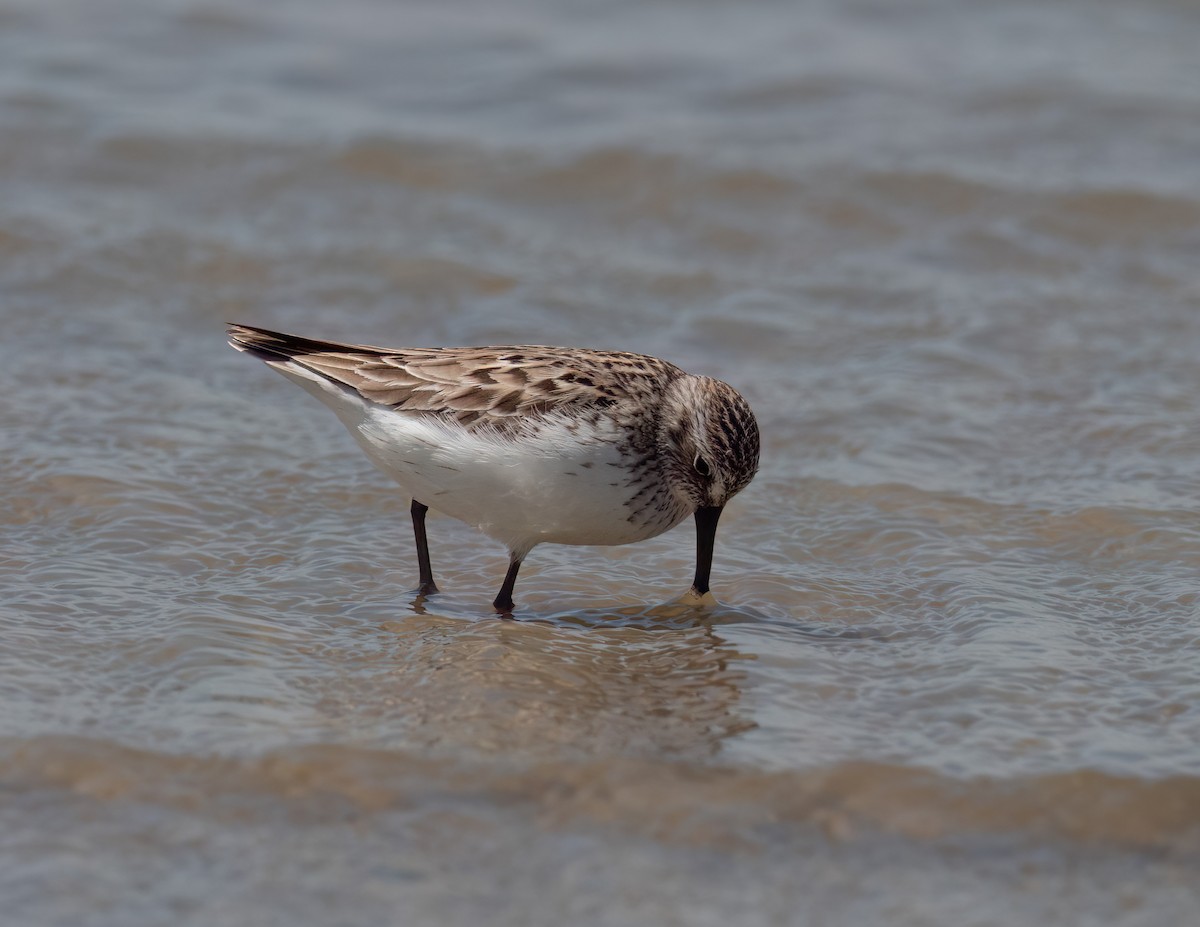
pixel 475 386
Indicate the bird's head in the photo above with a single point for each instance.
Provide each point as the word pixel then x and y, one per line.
pixel 708 440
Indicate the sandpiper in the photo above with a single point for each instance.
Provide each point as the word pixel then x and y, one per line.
pixel 534 444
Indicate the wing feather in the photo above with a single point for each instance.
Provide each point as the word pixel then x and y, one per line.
pixel 474 386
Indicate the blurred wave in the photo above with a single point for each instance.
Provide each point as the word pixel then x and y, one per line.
pixel 646 797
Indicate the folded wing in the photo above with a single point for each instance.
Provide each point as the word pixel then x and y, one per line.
pixel 486 386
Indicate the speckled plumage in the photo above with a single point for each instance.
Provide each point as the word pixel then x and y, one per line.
pixel 530 443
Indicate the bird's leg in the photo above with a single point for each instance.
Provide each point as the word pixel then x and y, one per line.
pixel 428 586
pixel 504 601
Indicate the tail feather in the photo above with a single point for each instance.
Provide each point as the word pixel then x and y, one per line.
pixel 291 354
pixel 280 347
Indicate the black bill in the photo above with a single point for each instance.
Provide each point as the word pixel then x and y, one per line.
pixel 706 536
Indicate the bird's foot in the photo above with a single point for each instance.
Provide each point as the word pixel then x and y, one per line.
pixel 694 598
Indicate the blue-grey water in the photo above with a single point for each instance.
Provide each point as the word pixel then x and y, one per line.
pixel 947 250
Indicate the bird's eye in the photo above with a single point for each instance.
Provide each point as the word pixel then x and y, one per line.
pixel 702 466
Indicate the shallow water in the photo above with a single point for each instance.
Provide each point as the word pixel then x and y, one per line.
pixel 948 254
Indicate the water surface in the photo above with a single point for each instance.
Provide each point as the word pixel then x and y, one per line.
pixel 947 251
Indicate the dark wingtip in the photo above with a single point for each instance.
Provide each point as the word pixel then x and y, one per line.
pixel 268 344
pixel 275 346
pixel 262 343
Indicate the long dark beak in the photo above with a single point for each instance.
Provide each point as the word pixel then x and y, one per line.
pixel 706 535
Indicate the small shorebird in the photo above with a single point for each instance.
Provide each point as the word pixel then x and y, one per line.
pixel 534 444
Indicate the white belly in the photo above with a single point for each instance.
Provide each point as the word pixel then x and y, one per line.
pixel 559 486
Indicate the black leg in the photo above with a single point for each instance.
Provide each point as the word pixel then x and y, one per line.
pixel 428 586
pixel 504 601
